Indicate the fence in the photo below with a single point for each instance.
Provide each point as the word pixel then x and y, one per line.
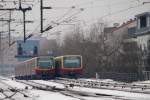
pixel 125 77
pixel 146 75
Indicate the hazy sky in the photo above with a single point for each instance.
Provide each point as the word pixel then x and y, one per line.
pixel 69 12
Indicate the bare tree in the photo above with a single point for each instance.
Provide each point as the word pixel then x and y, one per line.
pixel 48 47
pixel 102 51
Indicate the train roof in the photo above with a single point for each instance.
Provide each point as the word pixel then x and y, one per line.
pixel 68 56
pixel 34 58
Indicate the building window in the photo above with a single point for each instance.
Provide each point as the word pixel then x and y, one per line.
pixel 148 44
pixel 142 21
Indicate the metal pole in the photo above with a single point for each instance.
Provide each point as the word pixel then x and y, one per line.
pixel 24 26
pixel 41 8
pixel 1 65
pixel 9 28
pixel 0 48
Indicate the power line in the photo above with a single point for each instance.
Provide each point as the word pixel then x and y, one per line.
pixel 3 14
pixel 120 11
pixel 117 12
pixel 64 15
pixel 106 5
pixel 3 1
pixel 80 10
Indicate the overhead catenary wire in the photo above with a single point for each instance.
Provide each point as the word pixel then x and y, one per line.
pixel 116 12
pixel 106 5
pixel 122 10
pixel 123 2
pixel 71 16
pixel 17 1
pixel 3 14
pixel 64 15
pixel 66 20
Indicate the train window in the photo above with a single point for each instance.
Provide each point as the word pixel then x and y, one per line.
pixel 143 21
pixel 72 62
pixel 45 63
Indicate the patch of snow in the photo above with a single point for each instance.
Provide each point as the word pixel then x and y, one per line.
pixel 44 95
pixel 50 83
pixel 138 96
pixel 15 84
pixel 101 80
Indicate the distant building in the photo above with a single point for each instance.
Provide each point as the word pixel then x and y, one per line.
pixel 125 33
pixel 33 48
pixel 27 50
pixel 142 33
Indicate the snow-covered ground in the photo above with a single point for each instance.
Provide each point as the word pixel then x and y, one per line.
pixel 50 83
pixel 40 94
pixel 33 93
pixel 129 95
pixel 71 93
pixel 102 80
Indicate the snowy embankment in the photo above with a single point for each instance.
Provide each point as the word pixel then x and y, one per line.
pixel 129 95
pixel 71 93
pixel 50 83
pixel 34 94
pixel 45 95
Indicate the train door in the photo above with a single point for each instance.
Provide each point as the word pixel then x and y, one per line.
pixel 57 68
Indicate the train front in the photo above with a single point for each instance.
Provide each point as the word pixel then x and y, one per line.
pixel 72 66
pixel 45 68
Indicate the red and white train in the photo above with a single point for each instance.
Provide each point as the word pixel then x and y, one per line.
pixel 46 67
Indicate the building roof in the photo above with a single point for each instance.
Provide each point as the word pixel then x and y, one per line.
pixel 109 29
pixel 125 24
pixel 145 13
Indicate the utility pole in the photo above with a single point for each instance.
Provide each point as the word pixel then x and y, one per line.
pixel 24 11
pixel 9 27
pixel 41 10
pixel 9 30
pixel 24 18
pixel 1 65
pixel 1 52
pixel 9 41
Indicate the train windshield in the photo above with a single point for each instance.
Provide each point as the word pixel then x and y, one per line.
pixel 72 62
pixel 45 63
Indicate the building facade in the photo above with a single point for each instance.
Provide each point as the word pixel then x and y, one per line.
pixel 142 33
pixel 27 50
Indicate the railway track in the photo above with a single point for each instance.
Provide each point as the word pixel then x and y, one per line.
pixel 99 84
pixel 8 92
pixel 65 91
pixel 70 85
pixel 40 86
